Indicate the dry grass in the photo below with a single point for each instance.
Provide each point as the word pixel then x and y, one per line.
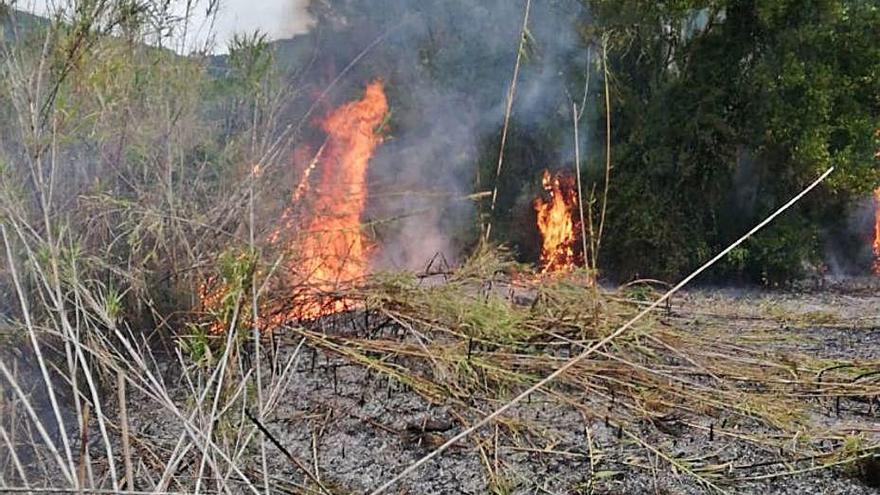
pixel 486 332
pixel 469 339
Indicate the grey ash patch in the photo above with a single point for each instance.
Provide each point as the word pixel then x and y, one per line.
pixel 356 428
pixel 364 429
pixel 366 434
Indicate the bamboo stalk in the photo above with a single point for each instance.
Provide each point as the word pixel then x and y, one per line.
pixel 126 437
pixel 577 174
pixel 510 94
pixel 84 444
pixel 67 468
pixel 607 147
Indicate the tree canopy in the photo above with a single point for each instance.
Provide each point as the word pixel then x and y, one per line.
pixel 724 109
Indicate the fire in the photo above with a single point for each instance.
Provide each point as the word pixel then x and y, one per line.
pixel 556 223
pixel 877 231
pixel 327 248
pixel 334 250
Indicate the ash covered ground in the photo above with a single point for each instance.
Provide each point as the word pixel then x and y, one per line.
pixel 354 428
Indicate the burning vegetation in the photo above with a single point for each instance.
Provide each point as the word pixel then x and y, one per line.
pixel 334 250
pixel 305 351
pixel 555 211
pixel 325 246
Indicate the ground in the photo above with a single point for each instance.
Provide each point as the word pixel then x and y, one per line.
pixel 353 428
pixel 736 390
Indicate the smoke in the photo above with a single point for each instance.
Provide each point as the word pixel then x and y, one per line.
pixel 447 68
pixel 849 246
pixel 846 245
pixel 422 179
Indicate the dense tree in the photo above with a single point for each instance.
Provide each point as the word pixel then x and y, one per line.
pixel 722 110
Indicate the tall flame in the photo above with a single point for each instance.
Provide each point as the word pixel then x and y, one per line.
pixel 328 248
pixel 334 250
pixel 556 223
pixel 877 231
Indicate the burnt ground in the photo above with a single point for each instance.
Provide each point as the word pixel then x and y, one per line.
pixel 356 428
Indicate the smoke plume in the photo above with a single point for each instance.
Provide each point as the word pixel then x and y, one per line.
pixel 447 67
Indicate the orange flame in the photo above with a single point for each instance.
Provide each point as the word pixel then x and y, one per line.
pixel 331 250
pixel 877 231
pixel 556 223
pixel 334 249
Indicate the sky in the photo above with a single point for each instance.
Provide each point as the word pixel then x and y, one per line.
pixel 277 18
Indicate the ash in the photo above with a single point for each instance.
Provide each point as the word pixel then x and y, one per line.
pixel 341 424
pixel 354 428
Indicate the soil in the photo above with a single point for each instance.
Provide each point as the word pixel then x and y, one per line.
pixel 355 429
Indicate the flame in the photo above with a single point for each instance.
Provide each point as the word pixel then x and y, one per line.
pixel 328 249
pixel 556 223
pixel 877 231
pixel 288 220
pixel 334 249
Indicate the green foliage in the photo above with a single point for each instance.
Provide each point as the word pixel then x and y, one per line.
pixel 196 344
pixel 121 144
pixel 775 256
pixel 250 60
pixel 489 318
pixel 248 84
pixel 722 110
